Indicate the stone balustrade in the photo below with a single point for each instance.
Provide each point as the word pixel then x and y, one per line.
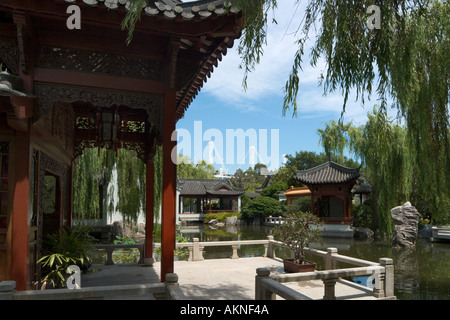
pixel 268 286
pixel 273 221
pixel 169 290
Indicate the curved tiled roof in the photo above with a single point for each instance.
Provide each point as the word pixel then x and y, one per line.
pixel 329 172
pixel 170 9
pixel 203 187
pixel 179 11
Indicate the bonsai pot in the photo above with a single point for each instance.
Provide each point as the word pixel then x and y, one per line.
pixel 291 267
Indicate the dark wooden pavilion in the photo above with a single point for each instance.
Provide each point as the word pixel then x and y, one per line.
pixel 331 186
pixel 71 89
pixel 202 192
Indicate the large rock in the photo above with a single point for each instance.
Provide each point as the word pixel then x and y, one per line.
pixel 122 229
pixel 363 233
pixel 231 221
pixel 406 219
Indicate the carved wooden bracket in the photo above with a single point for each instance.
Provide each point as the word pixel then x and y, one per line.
pixel 24 36
pixel 174 48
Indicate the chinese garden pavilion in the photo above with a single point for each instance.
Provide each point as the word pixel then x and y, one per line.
pixel 70 89
pixel 202 192
pixel 330 185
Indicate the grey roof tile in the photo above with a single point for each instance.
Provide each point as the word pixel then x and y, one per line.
pixel 203 187
pixel 171 9
pixel 329 172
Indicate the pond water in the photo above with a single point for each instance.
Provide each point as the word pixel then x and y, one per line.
pixel 421 273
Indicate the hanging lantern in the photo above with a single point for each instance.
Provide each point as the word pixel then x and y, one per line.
pixel 107 128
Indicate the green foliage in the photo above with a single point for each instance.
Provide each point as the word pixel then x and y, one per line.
pixel 406 62
pixel 302 204
pixel 131 184
pixel 57 265
pixel 187 170
pixel 262 207
pixel 248 179
pixel 92 176
pixel 274 189
pixel 284 175
pixel 220 216
pixel 93 168
pixel 133 16
pixel 304 160
pixel 362 214
pixel 296 232
pixel 383 149
pixel 69 247
pixel 124 240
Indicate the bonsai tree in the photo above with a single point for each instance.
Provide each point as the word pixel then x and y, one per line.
pixel 296 232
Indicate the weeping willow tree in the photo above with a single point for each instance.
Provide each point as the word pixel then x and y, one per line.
pixel 404 63
pixel 387 158
pixel 93 174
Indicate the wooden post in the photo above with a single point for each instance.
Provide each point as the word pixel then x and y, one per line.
pixel 169 176
pixel 169 188
pixel 149 214
pixel 21 201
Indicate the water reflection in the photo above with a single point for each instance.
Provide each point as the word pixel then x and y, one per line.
pixel 421 273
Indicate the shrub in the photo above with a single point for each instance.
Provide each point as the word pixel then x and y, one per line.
pixel 262 207
pixel 63 249
pixel 362 214
pixel 221 216
pixel 301 204
pixel 296 232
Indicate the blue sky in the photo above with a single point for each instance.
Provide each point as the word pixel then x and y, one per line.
pixel 223 103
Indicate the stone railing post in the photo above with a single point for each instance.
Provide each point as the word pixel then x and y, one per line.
pixel 141 255
pixel 235 251
pixel 262 293
pixel 269 248
pixel 329 289
pixel 173 290
pixel 7 290
pixel 109 253
pixel 330 264
pixel 386 280
pixel 197 254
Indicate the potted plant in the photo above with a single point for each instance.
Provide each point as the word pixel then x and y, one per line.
pixel 296 233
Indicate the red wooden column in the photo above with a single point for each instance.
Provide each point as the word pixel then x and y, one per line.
pixel 149 202
pixel 169 174
pixel 21 196
pixel 169 188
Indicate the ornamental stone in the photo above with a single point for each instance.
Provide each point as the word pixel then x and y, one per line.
pixel 406 219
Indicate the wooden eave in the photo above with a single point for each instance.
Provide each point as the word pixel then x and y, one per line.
pixel 203 42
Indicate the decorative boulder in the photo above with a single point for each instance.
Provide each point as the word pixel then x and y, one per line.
pixel 406 219
pixel 363 234
pixel 231 221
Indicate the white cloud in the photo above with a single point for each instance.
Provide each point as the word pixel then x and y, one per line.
pixel 269 77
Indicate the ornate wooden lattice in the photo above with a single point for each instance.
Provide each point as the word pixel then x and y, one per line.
pixel 9 55
pixel 99 62
pixel 50 94
pixel 132 131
